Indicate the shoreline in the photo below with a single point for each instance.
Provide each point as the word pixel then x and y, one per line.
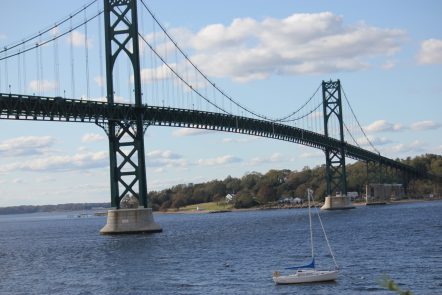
pixel 103 211
pixel 356 204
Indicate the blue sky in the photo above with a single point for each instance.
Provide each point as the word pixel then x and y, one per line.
pixel 269 55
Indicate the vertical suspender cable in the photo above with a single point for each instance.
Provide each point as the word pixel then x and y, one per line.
pixel 56 64
pixel 100 54
pixel 86 48
pixel 71 40
pixel 161 76
pixel 154 84
pixel 40 61
pixel 19 72
pixel 24 70
pixel 6 72
pixel 196 87
pixel 178 83
pixel 209 107
pixel 151 78
pixel 37 84
pixel 164 74
pixel 143 61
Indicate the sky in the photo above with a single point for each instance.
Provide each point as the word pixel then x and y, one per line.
pixel 269 55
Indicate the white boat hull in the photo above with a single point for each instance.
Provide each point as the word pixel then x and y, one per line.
pixel 306 276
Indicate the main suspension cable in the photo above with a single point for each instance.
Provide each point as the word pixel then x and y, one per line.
pixel 40 33
pixel 51 39
pixel 212 83
pixel 179 76
pixel 357 121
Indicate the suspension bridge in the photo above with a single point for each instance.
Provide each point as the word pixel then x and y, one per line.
pixel 165 88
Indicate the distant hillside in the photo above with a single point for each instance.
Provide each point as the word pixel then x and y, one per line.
pixel 255 189
pixel 52 208
pixel 259 189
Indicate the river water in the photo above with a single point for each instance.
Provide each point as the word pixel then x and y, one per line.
pixel 229 253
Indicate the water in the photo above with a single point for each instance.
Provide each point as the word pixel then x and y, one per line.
pixel 230 253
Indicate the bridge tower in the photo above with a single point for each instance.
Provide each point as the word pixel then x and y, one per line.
pixel 335 173
pixel 126 138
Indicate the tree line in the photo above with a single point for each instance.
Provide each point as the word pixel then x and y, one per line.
pixel 52 208
pixel 255 189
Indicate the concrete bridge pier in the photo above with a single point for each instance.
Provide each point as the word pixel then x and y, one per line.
pixel 130 221
pixel 337 203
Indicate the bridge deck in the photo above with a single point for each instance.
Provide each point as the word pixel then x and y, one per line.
pixel 25 107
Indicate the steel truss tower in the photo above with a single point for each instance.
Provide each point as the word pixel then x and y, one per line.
pixel 126 138
pixel 335 174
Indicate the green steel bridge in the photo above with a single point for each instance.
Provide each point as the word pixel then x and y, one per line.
pixel 122 121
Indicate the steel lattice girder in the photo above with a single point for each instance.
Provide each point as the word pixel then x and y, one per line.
pixel 38 108
pixel 121 30
pixel 336 176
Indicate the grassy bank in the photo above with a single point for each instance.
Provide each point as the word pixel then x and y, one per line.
pixel 211 206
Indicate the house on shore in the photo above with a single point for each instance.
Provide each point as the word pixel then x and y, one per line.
pixel 230 198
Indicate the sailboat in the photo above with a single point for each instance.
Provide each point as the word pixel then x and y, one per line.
pixel 308 273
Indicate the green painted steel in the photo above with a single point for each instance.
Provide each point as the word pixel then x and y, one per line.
pixel 39 108
pixel 126 138
pixel 335 174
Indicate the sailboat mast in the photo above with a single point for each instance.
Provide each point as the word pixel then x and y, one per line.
pixel 309 193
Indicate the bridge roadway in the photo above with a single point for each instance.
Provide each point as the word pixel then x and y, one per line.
pixel 40 108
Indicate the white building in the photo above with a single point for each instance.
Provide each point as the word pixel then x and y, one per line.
pixel 230 198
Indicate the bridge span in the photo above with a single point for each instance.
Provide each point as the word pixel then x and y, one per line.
pixel 42 108
pixel 125 124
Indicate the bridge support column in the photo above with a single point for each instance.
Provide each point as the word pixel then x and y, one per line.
pixel 122 221
pixel 335 173
pixel 126 138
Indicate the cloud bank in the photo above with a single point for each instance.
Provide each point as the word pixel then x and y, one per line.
pixel 430 52
pixel 304 43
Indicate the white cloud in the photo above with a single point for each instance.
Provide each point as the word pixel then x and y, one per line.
pixel 93 137
pixel 150 75
pixel 413 148
pixel 153 75
pixel 79 161
pixel 160 159
pixel 43 85
pixel 163 154
pixel 425 125
pixel 223 160
pixel 274 158
pixel 26 145
pixel 376 141
pixel 78 39
pixel 190 132
pixel 298 44
pixel 382 126
pixel 430 52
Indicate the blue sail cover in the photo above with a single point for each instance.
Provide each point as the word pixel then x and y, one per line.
pixel 310 265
